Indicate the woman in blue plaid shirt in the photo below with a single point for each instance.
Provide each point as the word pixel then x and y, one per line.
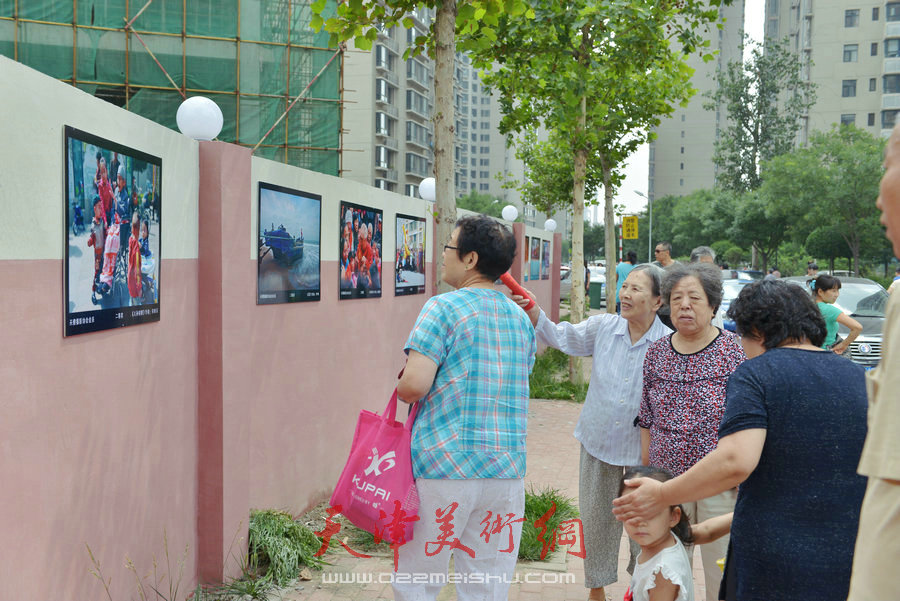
pixel 470 353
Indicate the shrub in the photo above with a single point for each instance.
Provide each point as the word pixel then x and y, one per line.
pixel 536 505
pixel 281 544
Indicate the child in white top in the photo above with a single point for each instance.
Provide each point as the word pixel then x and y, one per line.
pixel 663 571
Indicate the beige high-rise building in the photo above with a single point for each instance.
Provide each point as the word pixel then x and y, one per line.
pixel 681 156
pixel 851 52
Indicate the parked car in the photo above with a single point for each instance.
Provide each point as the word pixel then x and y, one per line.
pixel 565 282
pixel 730 290
pixel 865 301
pixel 748 275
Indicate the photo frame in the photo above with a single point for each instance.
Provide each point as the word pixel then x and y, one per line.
pixel 535 271
pixel 359 274
pixel 112 237
pixel 289 261
pixel 545 259
pixel 409 258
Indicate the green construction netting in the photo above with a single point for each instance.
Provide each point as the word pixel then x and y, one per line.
pixel 257 115
pixel 310 123
pixel 263 69
pixel 259 64
pixel 143 70
pixel 41 47
pixel 211 64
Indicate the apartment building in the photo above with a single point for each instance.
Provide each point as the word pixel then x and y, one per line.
pixel 850 50
pixel 681 156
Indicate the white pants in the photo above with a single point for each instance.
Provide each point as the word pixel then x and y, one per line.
pixel 699 511
pixel 422 562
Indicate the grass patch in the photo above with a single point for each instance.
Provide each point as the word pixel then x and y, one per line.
pixel 281 545
pixel 537 503
pixel 361 541
pixel 550 378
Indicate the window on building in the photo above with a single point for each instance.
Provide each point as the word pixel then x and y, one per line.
pixel 472 173
pixel 485 150
pixel 872 84
pixel 484 174
pixel 851 53
pixel 891 84
pixel 418 103
pixel 383 57
pixel 484 162
pixel 889 118
pixel 474 112
pixel 473 162
pixel 417 165
pixel 874 13
pixel 485 113
pixel 874 51
pixel 851 17
pixel 871 119
pixel 411 190
pixel 892 11
pixel 682 118
pixel 848 119
pixel 682 150
pixel 848 88
pixel 680 182
pixel 383 158
pixel 682 133
pixel 484 187
pixel 892 48
pixel 381 184
pixel 485 125
pixel 384 92
pixel 682 166
pixel 384 125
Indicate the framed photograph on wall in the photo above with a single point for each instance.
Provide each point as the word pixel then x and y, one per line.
pixel 409 259
pixel 112 208
pixel 525 258
pixel 545 260
pixel 360 251
pixel 290 226
pixel 535 258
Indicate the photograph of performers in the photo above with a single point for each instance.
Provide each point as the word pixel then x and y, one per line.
pixel 545 260
pixel 289 228
pixel 535 258
pixel 360 251
pixel 409 265
pixel 526 255
pixel 112 238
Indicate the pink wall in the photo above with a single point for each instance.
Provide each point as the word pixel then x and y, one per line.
pixel 98 437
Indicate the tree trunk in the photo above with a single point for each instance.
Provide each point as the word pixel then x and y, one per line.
pixel 576 374
pixel 444 127
pixel 609 234
pixel 754 258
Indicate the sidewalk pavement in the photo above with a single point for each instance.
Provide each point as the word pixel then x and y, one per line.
pixel 553 455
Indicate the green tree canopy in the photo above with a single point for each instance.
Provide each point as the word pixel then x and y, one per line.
pixel 765 99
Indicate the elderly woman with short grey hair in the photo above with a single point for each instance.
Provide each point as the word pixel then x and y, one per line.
pixel 605 429
pixel 683 400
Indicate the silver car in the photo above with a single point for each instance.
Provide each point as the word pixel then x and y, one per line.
pixel 865 301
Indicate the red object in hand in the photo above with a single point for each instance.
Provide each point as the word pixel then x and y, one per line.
pixel 516 288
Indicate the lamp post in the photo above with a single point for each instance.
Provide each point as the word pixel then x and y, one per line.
pixel 650 236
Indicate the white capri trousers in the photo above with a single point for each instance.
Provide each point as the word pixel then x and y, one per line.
pixel 487 575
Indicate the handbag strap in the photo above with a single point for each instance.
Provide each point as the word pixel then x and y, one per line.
pixel 390 412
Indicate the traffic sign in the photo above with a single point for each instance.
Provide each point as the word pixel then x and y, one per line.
pixel 630 227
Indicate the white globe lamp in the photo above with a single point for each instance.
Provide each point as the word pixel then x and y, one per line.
pixel 199 118
pixel 510 212
pixel 426 189
pixel 550 225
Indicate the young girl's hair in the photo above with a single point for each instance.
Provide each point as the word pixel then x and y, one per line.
pixel 824 283
pixel 683 528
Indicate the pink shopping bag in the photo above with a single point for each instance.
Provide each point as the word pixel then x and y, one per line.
pixel 376 490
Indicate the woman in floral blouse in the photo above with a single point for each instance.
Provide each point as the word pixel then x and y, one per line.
pixel 685 375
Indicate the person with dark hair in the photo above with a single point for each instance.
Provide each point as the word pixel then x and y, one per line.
pixel 826 289
pixel 791 436
pixel 622 271
pixel 469 357
pixel 663 253
pixel 663 568
pixel 812 269
pixel 685 378
pixel 609 440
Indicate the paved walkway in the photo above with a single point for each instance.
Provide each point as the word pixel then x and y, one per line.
pixel 552 461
